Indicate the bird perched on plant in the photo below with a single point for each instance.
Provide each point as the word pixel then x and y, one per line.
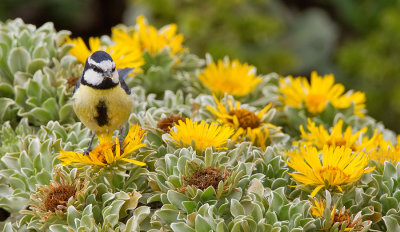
pixel 101 98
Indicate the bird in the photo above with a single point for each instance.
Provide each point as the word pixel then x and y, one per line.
pixel 101 98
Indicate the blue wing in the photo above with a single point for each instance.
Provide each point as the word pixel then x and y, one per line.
pixel 123 73
pixel 78 83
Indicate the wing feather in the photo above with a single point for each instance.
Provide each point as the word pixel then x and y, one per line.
pixel 123 73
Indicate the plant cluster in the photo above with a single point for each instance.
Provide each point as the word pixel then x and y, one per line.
pixel 212 145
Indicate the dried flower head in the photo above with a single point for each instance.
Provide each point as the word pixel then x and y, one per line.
pixel 166 123
pixel 49 202
pixel 204 178
pixel 345 219
pixel 57 196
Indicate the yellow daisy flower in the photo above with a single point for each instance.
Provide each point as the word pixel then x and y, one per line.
pixel 199 136
pixel 230 77
pixel 319 137
pixel 154 41
pixel 108 151
pixel 247 124
pixel 298 92
pixel 339 166
pixel 126 52
pixel 80 51
pixel 318 208
pixel 386 151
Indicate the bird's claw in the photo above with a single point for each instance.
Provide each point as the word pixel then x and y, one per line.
pixel 87 151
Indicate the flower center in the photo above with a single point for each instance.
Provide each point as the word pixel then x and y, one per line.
pixel 315 102
pixel 338 142
pixel 333 175
pixel 58 196
pixel 100 149
pixel 246 118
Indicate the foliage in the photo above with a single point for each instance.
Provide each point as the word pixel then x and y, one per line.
pixel 248 183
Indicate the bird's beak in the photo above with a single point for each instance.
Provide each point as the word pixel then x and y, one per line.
pixel 108 74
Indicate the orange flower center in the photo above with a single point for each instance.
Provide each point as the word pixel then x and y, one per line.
pixel 315 102
pixel 333 175
pixel 246 118
pixel 337 142
pixel 100 149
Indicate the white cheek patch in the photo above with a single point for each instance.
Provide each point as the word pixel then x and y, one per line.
pixel 92 77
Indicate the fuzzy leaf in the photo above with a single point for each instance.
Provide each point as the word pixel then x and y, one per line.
pixel 236 208
pixel 181 227
pixel 58 228
pixel 209 194
pixel 201 224
pixel 168 216
pixel 6 90
pixel 190 206
pixel 18 60
pixel 40 52
pixel 176 198
pixel 5 105
pixel 43 177
pixel 72 214
pixel 35 65
pixel 256 187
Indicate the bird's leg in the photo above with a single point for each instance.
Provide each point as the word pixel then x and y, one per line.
pixel 121 138
pixel 89 148
pixel 121 135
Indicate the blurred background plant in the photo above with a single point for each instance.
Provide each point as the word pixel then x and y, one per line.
pixel 356 41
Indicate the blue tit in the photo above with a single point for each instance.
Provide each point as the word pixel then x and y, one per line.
pixel 101 98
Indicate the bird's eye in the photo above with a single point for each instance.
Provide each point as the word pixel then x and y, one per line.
pixel 97 69
pixel 113 69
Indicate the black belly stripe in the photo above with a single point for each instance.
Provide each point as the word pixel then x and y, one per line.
pixel 102 117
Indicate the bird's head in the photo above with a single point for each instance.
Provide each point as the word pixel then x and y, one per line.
pixel 100 71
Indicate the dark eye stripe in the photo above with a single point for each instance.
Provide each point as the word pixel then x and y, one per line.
pixel 97 69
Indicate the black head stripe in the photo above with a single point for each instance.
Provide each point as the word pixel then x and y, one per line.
pixel 100 56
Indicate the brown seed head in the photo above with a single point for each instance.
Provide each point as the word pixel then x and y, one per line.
pixel 246 118
pixel 202 179
pixel 166 123
pixel 58 197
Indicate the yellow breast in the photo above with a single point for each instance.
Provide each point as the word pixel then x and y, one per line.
pixel 102 110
